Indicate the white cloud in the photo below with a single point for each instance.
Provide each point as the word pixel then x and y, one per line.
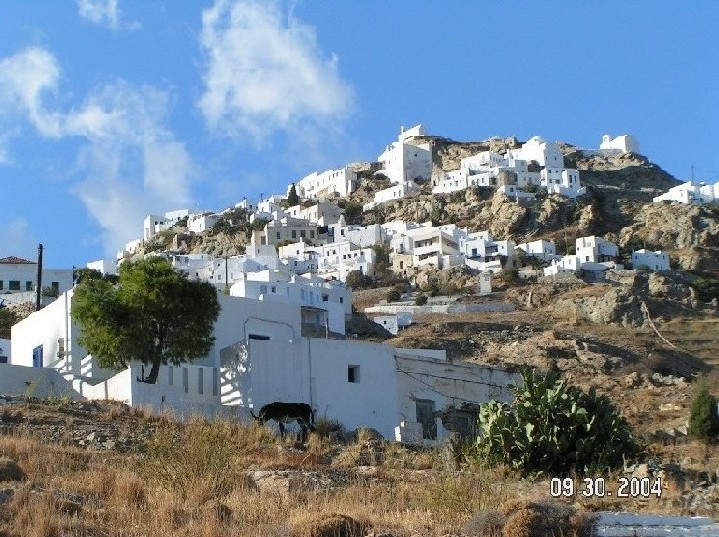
pixel 132 163
pixel 25 79
pixel 104 13
pixel 266 73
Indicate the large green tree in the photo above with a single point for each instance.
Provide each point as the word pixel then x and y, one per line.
pixel 152 314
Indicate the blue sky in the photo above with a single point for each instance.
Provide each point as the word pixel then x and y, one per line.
pixel 112 109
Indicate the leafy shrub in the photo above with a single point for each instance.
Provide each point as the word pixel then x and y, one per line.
pixel 357 280
pixel 394 295
pixel 706 288
pixel 553 428
pixel 420 300
pixel 703 415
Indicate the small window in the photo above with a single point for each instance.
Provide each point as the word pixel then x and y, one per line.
pixel 303 233
pixel 215 382
pixel 185 379
pixel 200 381
pixel 353 373
pixel 294 234
pixel 342 300
pixel 1 285
pixel 278 235
pixel 325 297
pixel 258 337
pixel 171 376
pixel 425 416
pixel 28 286
pixel 312 234
pixel 14 285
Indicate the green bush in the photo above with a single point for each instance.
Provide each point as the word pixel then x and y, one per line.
pixel 420 300
pixel 703 416
pixel 357 280
pixel 394 295
pixel 706 288
pixel 553 428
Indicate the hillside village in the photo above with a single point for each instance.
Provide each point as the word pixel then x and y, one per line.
pixel 545 208
pixel 403 293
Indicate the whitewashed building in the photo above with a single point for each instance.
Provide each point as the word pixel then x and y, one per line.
pixel 656 261
pixel 333 260
pixel 594 254
pixel 324 305
pixel 341 182
pixel 404 161
pixel 285 229
pixel 543 249
pixel 321 213
pixel 199 223
pixel 395 192
pixel 154 223
pixel 259 356
pixel 625 143
pixel 18 275
pixel 426 245
pixel 691 193
pixel 105 266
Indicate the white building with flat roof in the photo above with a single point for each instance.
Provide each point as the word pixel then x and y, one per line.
pixel 691 193
pixel 154 223
pixel 655 261
pixel 404 161
pixel 626 143
pixel 319 185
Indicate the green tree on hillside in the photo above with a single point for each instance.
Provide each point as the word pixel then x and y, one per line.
pixel 153 315
pixel 704 415
pixel 292 197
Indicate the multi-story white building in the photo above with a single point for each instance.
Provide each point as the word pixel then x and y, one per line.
pixel 591 253
pixel 318 185
pixel 426 245
pixel 201 222
pixel 545 250
pixel 260 356
pixel 324 304
pixel 332 260
pixel 403 161
pixel 20 275
pixel 154 223
pixel 689 192
pixel 322 213
pixel 656 261
pixel 362 236
pixel 105 266
pixel 285 229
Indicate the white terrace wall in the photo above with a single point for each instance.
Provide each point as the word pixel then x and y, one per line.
pixel 34 382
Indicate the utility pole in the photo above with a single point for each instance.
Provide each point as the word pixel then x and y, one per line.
pixel 38 287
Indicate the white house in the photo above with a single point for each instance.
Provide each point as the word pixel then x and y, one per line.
pixel 285 229
pixel 154 223
pixel 427 245
pixel 259 356
pixel 199 223
pixel 546 154
pixel 316 185
pixel 20 275
pixel 545 250
pixel 395 192
pixel 105 266
pixel 591 253
pixel 322 213
pixel 131 248
pixel 362 236
pixel 652 260
pixel 404 161
pixel 625 143
pixel 323 304
pixel 689 192
pixel 483 253
pixel 388 322
pixel 334 260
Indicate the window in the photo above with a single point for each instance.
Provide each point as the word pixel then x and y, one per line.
pixel 1 285
pixel 28 286
pixel 258 337
pixel 274 289
pixel 325 297
pixel 303 233
pixel 14 285
pixel 353 373
pixel 294 234
pixel 342 300
pixel 425 416
pixel 185 379
pixel 464 424
pixel 215 382
pixel 278 235
pixel 312 234
pixel 200 381
pixel 171 375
